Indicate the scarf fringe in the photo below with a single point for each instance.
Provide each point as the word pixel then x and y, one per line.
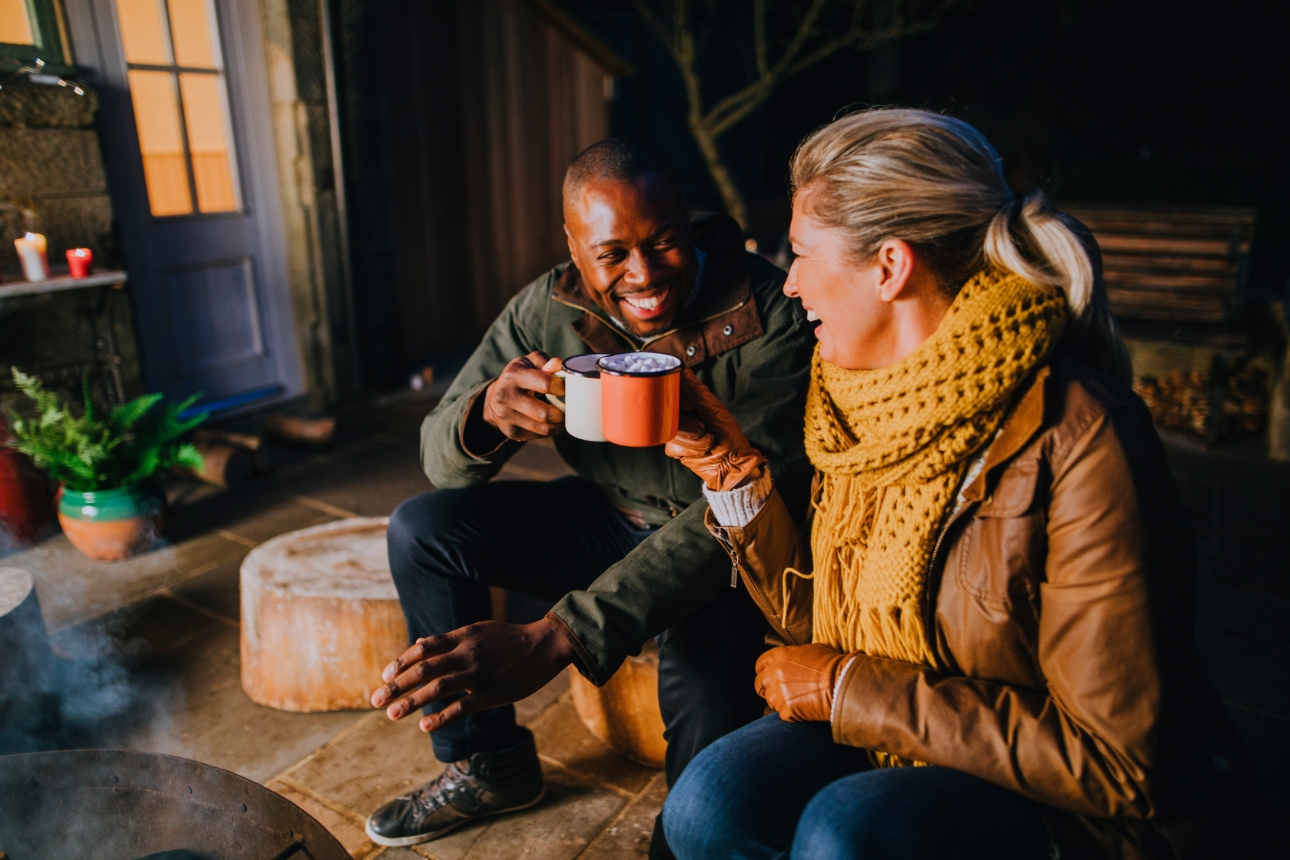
pixel 894 632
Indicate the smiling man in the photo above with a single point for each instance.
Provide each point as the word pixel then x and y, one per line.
pixel 621 548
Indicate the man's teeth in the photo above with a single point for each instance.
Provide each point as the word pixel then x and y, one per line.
pixel 645 304
pixel 812 316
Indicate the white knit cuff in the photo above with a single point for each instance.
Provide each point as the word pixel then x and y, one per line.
pixel 736 508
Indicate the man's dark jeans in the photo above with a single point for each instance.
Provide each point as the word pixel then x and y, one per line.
pixel 775 790
pixel 545 539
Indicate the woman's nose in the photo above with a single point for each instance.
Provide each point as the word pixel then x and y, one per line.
pixel 790 285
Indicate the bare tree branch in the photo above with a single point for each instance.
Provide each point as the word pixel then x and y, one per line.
pixel 648 16
pixel 759 36
pixel 708 125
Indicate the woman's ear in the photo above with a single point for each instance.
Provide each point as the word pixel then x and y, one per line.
pixel 895 259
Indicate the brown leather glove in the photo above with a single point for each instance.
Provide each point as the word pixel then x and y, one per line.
pixel 710 442
pixel 797 681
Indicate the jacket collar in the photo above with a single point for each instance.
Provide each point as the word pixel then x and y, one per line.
pixel 723 316
pixel 1021 425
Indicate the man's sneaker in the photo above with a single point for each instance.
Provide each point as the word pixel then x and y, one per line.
pixel 484 784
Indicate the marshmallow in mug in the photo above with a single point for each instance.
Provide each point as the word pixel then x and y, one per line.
pixel 640 362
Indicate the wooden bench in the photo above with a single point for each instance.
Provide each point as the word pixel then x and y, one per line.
pixel 1176 264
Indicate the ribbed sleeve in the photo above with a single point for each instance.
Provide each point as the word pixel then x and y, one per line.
pixel 737 507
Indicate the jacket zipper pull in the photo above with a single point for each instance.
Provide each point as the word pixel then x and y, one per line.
pixel 734 560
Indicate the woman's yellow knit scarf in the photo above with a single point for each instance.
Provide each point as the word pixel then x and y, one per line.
pixel 893 445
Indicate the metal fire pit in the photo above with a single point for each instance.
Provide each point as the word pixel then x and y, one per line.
pixel 118 805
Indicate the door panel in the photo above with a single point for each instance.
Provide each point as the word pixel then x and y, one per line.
pixel 216 306
pixel 187 139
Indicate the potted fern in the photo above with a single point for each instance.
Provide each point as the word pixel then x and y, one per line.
pixel 111 504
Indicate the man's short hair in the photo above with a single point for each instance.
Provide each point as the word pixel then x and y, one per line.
pixel 618 158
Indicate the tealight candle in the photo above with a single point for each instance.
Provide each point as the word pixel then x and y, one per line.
pixel 79 261
pixel 31 250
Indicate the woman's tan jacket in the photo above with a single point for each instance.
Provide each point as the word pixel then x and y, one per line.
pixel 1061 603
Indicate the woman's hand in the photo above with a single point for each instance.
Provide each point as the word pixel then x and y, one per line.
pixel 797 681
pixel 710 442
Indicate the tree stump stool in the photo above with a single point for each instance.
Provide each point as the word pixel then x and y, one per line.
pixel 624 714
pixel 27 663
pixel 320 617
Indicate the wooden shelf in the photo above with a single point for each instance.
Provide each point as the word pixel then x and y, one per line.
pixel 60 282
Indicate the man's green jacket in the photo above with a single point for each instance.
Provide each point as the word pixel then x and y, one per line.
pixel 743 338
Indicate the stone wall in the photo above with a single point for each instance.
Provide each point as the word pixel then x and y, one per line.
pixel 52 181
pixel 301 127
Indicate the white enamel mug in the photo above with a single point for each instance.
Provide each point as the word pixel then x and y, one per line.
pixel 581 404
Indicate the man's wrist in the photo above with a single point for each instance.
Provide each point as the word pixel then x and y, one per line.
pixel 479 436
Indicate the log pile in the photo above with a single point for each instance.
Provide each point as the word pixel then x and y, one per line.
pixel 1212 404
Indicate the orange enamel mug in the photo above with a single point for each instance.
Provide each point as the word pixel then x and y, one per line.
pixel 640 398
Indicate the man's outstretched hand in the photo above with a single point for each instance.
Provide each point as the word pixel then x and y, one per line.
pixel 493 662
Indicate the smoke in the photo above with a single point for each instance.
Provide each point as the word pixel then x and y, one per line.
pixel 92 696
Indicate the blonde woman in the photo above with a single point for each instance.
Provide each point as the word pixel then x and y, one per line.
pixel 985 634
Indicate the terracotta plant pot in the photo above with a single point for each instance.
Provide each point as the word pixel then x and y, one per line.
pixel 109 525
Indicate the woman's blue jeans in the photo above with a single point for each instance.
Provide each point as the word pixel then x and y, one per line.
pixel 774 789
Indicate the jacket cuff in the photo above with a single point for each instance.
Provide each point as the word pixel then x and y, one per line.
pixel 837 687
pixel 738 507
pixel 471 401
pixel 867 697
pixel 582 657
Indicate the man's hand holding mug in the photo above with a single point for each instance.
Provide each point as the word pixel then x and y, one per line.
pixel 515 406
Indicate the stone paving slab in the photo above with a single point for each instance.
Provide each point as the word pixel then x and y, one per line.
pixel 629 834
pixel 371 764
pixel 376 759
pixel 274 516
pixel 207 717
pixel 147 628
pixel 372 487
pixel 72 588
pixel 348 831
pixel 573 812
pixel 561 737
pixel 215 590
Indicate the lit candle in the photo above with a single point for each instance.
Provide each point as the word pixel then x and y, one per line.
pixel 31 250
pixel 78 262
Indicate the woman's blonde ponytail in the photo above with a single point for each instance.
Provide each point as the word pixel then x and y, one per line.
pixel 937 183
pixel 1042 246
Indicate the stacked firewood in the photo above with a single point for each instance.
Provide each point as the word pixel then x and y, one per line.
pixel 1188 400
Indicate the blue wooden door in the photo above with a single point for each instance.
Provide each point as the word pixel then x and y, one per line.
pixel 188 144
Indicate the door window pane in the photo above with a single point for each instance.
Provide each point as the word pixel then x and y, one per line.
pixel 208 141
pixel 161 142
pixel 190 28
pixel 15 26
pixel 141 31
pixel 180 104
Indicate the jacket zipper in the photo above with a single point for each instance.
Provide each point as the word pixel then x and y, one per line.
pixel 656 337
pixel 734 560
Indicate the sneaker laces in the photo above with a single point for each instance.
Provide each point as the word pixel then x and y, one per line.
pixel 434 794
